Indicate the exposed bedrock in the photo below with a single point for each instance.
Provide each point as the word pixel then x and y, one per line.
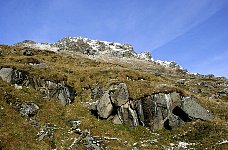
pixel 64 93
pixel 156 111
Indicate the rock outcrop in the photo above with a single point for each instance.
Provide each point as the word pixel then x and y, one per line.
pixel 103 49
pixel 12 76
pixel 156 111
pixel 64 93
pixel 95 47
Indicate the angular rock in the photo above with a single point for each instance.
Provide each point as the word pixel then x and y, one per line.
pixel 104 106
pixel 88 141
pixel 96 92
pixel 159 118
pixel 195 110
pixel 156 111
pixel 66 94
pixel 133 117
pixel 176 99
pixel 116 120
pixel 28 109
pixel 119 94
pixel 12 76
pixel 6 74
pixel 173 122
pixel 47 130
pixel 139 110
pixel 147 112
pixel 127 115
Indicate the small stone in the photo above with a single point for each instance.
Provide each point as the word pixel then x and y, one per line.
pixel 28 109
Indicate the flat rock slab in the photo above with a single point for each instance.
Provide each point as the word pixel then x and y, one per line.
pixel 195 110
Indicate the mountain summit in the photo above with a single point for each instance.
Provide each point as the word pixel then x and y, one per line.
pixel 98 48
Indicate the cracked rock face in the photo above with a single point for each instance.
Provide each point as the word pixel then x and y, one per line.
pixel 156 111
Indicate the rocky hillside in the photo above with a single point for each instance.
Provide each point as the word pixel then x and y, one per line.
pixel 80 93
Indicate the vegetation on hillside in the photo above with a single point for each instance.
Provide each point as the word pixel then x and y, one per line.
pixel 82 73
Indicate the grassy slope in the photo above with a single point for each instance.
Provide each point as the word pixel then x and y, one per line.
pixel 82 73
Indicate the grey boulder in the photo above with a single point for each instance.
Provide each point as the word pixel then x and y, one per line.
pixel 6 74
pixel 66 95
pixel 195 110
pixel 104 106
pixel 119 94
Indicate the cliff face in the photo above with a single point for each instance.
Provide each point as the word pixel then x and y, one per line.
pixel 79 93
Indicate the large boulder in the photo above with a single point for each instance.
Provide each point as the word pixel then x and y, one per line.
pixel 104 106
pixel 194 109
pixel 119 94
pixel 6 74
pixel 156 111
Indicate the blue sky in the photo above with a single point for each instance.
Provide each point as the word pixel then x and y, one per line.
pixel 194 33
